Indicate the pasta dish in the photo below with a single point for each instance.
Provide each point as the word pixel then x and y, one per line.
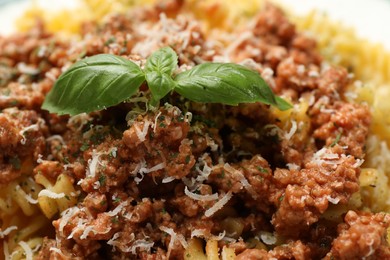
pixel 189 165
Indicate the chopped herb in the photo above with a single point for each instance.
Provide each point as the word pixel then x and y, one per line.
pixel 15 162
pixel 337 139
pixel 65 160
pixel 163 211
pixel 174 155
pixel 222 174
pixel 103 202
pixel 162 125
pixel 14 102
pixel 17 236
pixel 84 147
pixel 115 220
pixel 188 158
pixel 102 179
pixel 117 200
pixel 261 169
pixel 110 40
pixel 113 153
pixel 204 120
pixel 229 183
pixel 67 197
pixel 76 154
pixel 97 138
pixel 281 198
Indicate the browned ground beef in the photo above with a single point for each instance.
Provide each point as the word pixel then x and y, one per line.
pixel 242 149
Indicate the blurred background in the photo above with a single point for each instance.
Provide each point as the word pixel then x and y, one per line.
pixel 369 17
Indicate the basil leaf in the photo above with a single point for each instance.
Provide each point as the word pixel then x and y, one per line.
pixel 94 83
pixel 158 72
pixel 225 83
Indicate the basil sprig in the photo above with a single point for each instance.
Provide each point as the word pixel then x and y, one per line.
pixel 159 68
pixel 106 80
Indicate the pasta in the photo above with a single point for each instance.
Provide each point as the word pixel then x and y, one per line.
pixel 133 181
pixel 21 217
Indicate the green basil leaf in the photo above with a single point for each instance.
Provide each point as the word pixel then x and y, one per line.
pixel 94 83
pixel 158 72
pixel 225 83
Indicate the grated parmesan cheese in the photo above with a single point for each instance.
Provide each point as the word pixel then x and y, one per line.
pixel 199 233
pixel 358 163
pixel 301 69
pixel 142 134
pixel 141 169
pixel 155 121
pixel 56 137
pixel 7 231
pixel 313 74
pixel 211 143
pixel 27 250
pixel 218 205
pixel 117 210
pixel 25 69
pixel 36 248
pixel 268 238
pixel 34 127
pixel 195 196
pixel 240 176
pixel 80 225
pixel 204 234
pixel 174 237
pixel 93 163
pixel 325 156
pixel 140 243
pixel 333 200
pixel 293 167
pixel 168 179
pixel 57 250
pixel 327 110
pixel 157 167
pixel 188 117
pixel 312 100
pixel 86 232
pixel 39 160
pixel 30 199
pixel 51 194
pixel 66 216
pixel 237 42
pixel 80 120
pixel 371 244
pixel 292 131
pixel 112 241
pixel 6 250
